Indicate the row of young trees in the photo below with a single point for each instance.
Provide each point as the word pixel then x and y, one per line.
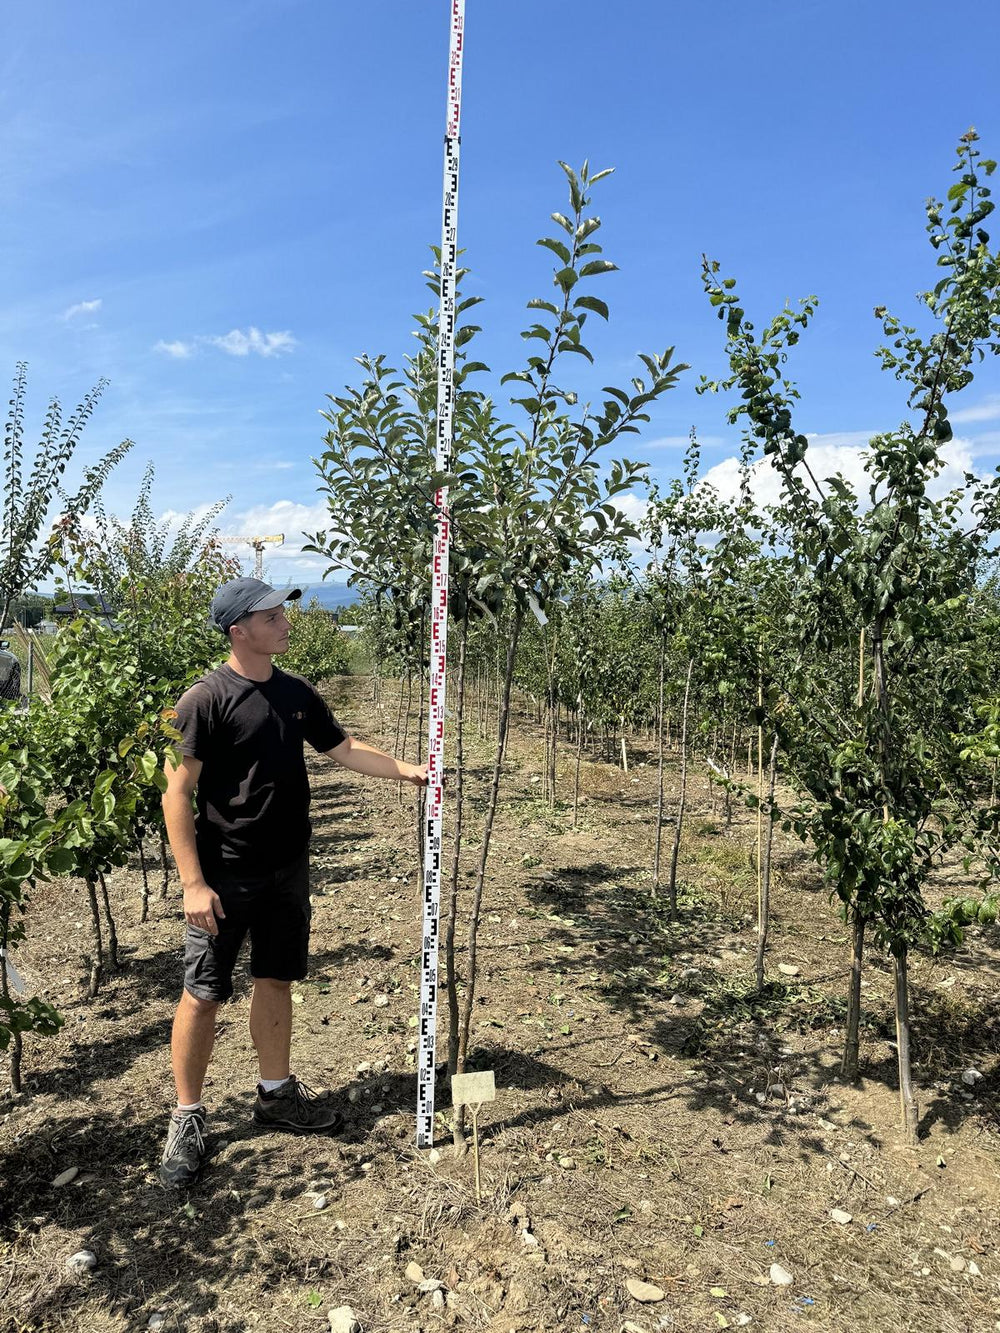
pixel 844 641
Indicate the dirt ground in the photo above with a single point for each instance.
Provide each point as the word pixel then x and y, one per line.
pixel 653 1121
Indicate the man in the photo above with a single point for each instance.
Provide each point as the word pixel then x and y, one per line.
pixel 244 861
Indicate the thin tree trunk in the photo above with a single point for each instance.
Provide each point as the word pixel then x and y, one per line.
pixel 658 841
pixel 764 909
pixel 16 1043
pixel 449 940
pixel 97 961
pixel 852 1039
pixel 144 909
pixel 682 799
pixel 164 867
pixel 624 751
pixel 112 932
pixel 908 1102
pixel 579 752
pixel 491 810
pixel 399 718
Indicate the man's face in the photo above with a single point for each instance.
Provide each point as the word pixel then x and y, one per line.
pixel 264 632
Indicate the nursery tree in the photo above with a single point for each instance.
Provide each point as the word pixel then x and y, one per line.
pixel 879 770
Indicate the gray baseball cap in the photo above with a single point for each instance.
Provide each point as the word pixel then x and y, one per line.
pixel 239 597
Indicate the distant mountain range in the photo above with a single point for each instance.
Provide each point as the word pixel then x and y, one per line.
pixel 329 595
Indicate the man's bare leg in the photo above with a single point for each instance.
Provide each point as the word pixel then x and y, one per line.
pixel 271 1026
pixel 191 1045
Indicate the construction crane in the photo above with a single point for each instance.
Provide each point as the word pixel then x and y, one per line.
pixel 258 544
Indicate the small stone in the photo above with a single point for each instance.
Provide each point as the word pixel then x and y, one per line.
pixel 344 1320
pixel 381 1001
pixel 957 1264
pixel 788 969
pixel 971 1076
pixel 677 999
pixel 156 1320
pixel 780 1277
pixel 743 1319
pixel 974 1269
pixel 64 1177
pixel 434 1157
pixel 84 1261
pixel 644 1292
pixel 840 1216
pixel 429 1284
pixel 319 1203
pixel 414 1273
pixel 529 1239
pixel 567 1163
pixel 892 1201
pixel 437 1299
pixel 629 1327
pixel 363 1068
pixel 354 1095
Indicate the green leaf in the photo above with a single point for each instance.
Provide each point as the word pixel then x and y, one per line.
pixel 593 303
pixel 597 266
pixel 557 248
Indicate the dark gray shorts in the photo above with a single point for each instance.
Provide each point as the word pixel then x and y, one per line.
pixel 273 908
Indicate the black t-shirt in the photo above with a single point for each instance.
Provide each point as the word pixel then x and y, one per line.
pixel 253 792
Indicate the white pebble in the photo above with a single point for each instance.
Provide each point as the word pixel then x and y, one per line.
pixel 780 1277
pixel 840 1216
pixel 84 1261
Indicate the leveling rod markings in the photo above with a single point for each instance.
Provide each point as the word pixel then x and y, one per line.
pixel 439 592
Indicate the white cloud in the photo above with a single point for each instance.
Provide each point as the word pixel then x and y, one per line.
pixel 826 458
pixel 987 410
pixel 238 343
pixel 180 351
pixel 676 442
pixel 82 308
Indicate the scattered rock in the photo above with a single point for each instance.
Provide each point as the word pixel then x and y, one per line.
pixel 958 1264
pixel 974 1269
pixel 64 1177
pixel 840 1216
pixel 567 1163
pixel 644 1292
pixel 892 1201
pixel 156 1320
pixel 354 1095
pixel 381 1001
pixel 743 1319
pixel 319 1202
pixel 434 1157
pixel 414 1273
pixel 84 1261
pixel 363 1068
pixel 677 999
pixel 971 1076
pixel 780 1277
pixel 529 1240
pixel 629 1327
pixel 788 969
pixel 344 1320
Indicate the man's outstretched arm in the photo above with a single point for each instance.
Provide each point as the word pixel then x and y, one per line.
pixel 362 758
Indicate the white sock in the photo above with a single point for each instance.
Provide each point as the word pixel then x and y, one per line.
pixel 269 1084
pixel 198 1106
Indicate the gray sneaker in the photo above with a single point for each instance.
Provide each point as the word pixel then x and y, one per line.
pixel 297 1109
pixel 185 1151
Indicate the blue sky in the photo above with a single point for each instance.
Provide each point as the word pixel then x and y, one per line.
pixel 219 206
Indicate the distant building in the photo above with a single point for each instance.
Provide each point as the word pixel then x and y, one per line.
pixel 81 603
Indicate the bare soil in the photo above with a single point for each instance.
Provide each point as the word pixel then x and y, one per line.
pixel 654 1119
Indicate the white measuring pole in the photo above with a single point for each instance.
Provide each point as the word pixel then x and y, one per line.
pixel 439 592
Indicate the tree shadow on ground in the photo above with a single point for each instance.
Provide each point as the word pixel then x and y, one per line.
pixel 599 918
pixel 154 1247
